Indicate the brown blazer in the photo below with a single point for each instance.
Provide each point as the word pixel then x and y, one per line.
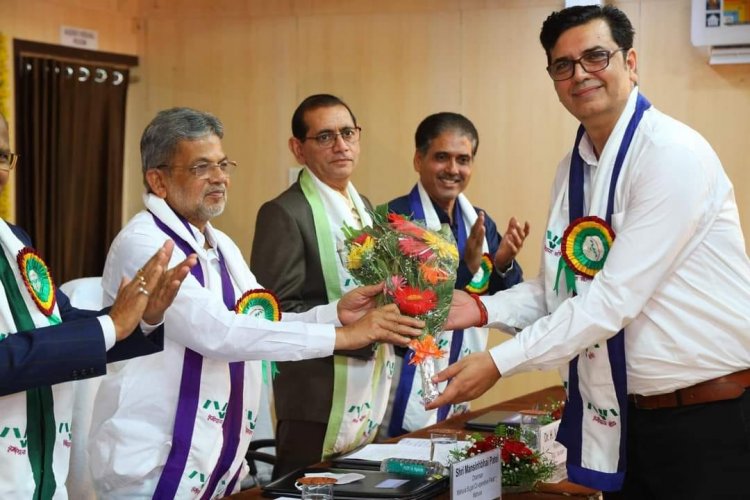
pixel 286 260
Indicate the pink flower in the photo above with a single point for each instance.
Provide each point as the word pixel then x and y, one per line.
pixel 401 224
pixel 394 284
pixel 415 248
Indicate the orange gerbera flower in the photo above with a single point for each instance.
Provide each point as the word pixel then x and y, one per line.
pixel 431 274
pixel 423 349
pixel 412 301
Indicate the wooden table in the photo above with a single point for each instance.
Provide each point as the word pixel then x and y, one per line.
pixel 545 491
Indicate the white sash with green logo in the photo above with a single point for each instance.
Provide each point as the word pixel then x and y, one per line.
pixel 125 461
pixel 360 392
pixel 32 464
pixel 207 437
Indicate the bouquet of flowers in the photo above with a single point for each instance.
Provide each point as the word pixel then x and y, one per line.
pixel 418 267
pixel 522 467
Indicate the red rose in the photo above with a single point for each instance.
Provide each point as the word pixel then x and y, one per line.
pixel 486 444
pixel 512 447
pixel 557 412
pixel 361 238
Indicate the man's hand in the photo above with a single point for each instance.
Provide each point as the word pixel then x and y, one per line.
pixel 511 244
pixel 470 377
pixel 385 324
pixel 356 303
pixel 464 312
pixel 166 290
pixel 473 249
pixel 133 295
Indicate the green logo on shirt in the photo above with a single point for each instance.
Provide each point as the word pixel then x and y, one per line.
pixel 552 240
pixel 20 439
pixel 63 430
pixel 360 412
pixel 217 411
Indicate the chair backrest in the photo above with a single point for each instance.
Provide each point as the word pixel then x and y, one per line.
pixel 84 293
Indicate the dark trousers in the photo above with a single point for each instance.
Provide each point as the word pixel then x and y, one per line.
pixel 298 444
pixel 699 452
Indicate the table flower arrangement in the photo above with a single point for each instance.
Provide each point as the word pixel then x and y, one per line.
pixel 522 467
pixel 418 267
pixel 552 411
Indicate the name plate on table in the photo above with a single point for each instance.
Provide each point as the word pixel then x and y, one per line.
pixel 478 477
pixel 551 449
pixel 555 451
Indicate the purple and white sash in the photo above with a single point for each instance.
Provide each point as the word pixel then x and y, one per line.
pixel 189 401
pixel 596 408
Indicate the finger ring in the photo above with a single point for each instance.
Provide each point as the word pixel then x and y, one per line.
pixel 143 291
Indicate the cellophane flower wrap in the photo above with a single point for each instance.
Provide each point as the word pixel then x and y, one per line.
pixel 418 266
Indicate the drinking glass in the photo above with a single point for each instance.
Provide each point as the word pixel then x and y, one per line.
pixel 316 488
pixel 442 442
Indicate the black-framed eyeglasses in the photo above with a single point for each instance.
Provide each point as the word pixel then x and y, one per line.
pixel 328 139
pixel 591 62
pixel 203 170
pixel 8 160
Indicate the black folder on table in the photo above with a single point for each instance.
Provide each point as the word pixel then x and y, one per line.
pixel 415 488
pixel 344 462
pixel 488 421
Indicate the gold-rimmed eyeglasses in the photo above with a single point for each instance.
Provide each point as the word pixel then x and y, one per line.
pixel 204 170
pixel 328 138
pixel 591 62
pixel 8 160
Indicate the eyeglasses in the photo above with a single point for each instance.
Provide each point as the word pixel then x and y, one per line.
pixel 203 170
pixel 591 62
pixel 8 160
pixel 328 139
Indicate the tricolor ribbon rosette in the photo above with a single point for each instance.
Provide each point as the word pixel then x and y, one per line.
pixel 585 245
pixel 263 304
pixel 480 282
pixel 418 266
pixel 38 279
pixel 259 303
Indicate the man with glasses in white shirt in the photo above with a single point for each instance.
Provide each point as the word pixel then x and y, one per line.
pixel 647 297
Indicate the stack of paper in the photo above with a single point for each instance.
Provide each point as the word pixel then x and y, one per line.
pixel 414 448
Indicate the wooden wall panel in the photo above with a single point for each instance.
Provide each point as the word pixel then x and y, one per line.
pixel 392 70
pixel 714 100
